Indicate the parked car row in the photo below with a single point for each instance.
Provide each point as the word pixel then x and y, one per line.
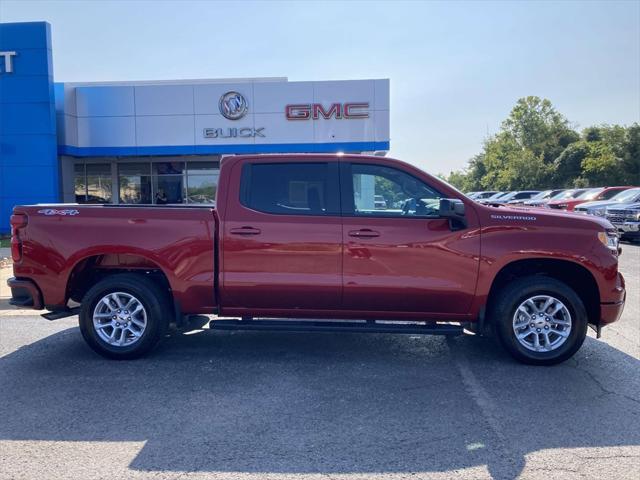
pixel 620 205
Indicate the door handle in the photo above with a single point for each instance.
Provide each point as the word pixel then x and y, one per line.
pixel 364 233
pixel 245 231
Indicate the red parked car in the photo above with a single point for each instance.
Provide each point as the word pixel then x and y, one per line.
pixel 302 236
pixel 590 195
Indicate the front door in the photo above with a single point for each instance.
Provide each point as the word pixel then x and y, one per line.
pixel 282 239
pixel 399 255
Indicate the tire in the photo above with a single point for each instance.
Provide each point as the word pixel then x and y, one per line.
pixel 137 331
pixel 559 336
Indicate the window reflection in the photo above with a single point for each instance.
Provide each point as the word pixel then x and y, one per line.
pixel 93 183
pixel 99 183
pixel 168 189
pixel 80 183
pixel 202 188
pixel 164 182
pixel 134 183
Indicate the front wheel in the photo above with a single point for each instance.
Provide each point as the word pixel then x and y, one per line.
pixel 539 320
pixel 124 316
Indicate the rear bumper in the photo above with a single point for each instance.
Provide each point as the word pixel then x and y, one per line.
pixel 25 294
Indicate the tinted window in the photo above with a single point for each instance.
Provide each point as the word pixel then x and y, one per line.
pixel 291 188
pixel 524 195
pixel 385 191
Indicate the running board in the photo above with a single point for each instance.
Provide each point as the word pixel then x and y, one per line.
pixel 335 326
pixel 58 314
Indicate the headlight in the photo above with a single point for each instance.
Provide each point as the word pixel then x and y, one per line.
pixel 598 211
pixel 610 240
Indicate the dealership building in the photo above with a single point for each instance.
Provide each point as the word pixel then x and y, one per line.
pixel 161 142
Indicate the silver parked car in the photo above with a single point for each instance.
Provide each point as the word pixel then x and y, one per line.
pixel 599 207
pixel 537 199
pixel 517 195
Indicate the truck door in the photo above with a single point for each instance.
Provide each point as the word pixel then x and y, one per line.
pixel 399 256
pixel 282 238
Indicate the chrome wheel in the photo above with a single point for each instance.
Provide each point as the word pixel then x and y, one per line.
pixel 119 319
pixel 542 323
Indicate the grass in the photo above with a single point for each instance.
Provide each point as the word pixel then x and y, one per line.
pixel 5 242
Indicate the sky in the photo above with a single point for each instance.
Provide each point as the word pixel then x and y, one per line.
pixel 456 68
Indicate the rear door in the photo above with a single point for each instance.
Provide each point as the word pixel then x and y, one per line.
pixel 403 257
pixel 282 239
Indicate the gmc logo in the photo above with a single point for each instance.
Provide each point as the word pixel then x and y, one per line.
pixel 306 111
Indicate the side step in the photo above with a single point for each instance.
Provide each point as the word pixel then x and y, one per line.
pixel 337 326
pixel 58 314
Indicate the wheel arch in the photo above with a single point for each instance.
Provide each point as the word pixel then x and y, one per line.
pixel 574 275
pixel 91 268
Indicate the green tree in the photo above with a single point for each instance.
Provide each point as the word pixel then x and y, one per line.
pixel 537 148
pixel 631 155
pixel 568 166
pixel 537 126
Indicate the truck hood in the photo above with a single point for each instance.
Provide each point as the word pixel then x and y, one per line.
pixel 625 206
pixel 599 204
pixel 546 217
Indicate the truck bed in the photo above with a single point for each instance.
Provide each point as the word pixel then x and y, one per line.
pixel 177 241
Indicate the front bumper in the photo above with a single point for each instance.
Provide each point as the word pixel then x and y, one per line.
pixel 612 310
pixel 628 227
pixel 25 294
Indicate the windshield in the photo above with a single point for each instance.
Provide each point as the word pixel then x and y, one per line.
pixel 508 196
pixel 626 195
pixel 563 195
pixel 541 195
pixel 590 194
pixel 495 196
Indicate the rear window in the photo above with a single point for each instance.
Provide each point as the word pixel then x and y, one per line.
pixel 291 188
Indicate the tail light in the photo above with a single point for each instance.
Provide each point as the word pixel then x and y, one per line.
pixel 18 222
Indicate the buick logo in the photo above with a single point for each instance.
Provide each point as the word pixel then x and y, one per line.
pixel 233 106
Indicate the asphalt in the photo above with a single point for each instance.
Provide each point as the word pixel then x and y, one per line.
pixel 251 405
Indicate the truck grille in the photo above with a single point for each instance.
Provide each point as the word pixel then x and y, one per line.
pixel 620 216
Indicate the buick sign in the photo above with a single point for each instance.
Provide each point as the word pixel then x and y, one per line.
pixel 233 106
pixel 246 132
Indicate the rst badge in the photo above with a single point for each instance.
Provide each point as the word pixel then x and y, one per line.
pixel 315 111
pixel 63 212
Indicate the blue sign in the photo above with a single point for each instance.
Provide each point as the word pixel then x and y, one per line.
pixel 28 144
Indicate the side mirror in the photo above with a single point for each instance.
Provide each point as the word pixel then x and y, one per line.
pixel 453 209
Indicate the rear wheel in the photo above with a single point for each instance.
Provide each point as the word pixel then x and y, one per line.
pixel 124 316
pixel 539 320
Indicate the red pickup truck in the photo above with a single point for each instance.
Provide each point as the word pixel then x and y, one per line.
pixel 306 237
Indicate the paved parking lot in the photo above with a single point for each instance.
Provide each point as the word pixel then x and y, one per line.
pixel 292 405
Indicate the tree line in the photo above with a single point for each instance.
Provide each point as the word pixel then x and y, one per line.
pixel 536 148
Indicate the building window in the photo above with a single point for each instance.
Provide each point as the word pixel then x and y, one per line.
pixel 80 183
pixel 134 181
pixel 202 182
pixel 93 183
pixel 168 182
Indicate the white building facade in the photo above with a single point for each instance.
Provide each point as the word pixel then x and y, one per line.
pixel 161 142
